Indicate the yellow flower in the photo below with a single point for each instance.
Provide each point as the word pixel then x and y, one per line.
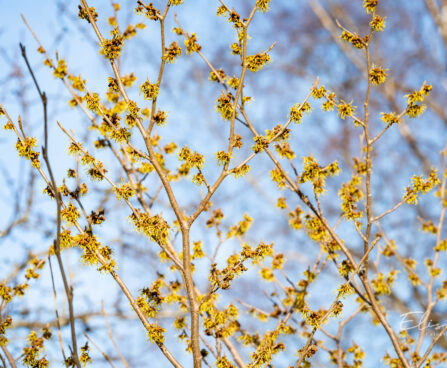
pixel 149 91
pixel 70 213
pixel 262 5
pixel 318 92
pixel 257 62
pixel 377 75
pixel 124 191
pixel 378 23
pixel 172 53
pixel 191 44
pixel 111 49
pixel 156 333
pixel 370 5
pixel 390 118
pixel 345 109
pixel 224 105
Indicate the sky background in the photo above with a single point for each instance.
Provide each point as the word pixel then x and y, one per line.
pixel 189 99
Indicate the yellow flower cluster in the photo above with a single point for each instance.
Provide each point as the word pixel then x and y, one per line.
pixel 223 157
pixel 441 293
pixel 4 325
pixel 295 220
pixel 316 174
pixel 257 62
pixel 266 349
pixel 156 334
pixel 382 285
pixel 296 112
pixel 155 227
pixel 262 5
pixel 283 137
pixel 160 118
pixel 258 254
pixel 190 160
pixel 329 104
pixel 345 109
pixel 61 70
pixel 191 44
pixel 390 118
pixel 111 49
pixel 377 75
pixel 131 30
pixel 25 148
pixel 5 293
pixel 353 39
pixel 92 101
pixel 318 93
pixel 149 91
pixel 222 278
pixel 277 177
pixel 281 203
pixel 315 229
pixel 149 11
pixel 442 246
pixel 260 143
pixel 70 213
pixel 217 75
pixel 236 49
pixel 223 362
pixel 220 324
pixel 84 15
pixel 172 52
pixel 224 105
pixel 241 228
pixel 124 191
pixel 378 23
pixel 215 218
pixel 240 171
pixel 120 135
pixel 235 18
pixel 414 108
pixel 357 353
pixel 233 82
pixel 77 82
pixel 345 268
pixel 420 186
pixel 221 11
pixel 370 5
pixel 84 358
pixel 350 195
pixel 31 354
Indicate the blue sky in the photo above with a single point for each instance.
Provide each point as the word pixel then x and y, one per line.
pixel 189 100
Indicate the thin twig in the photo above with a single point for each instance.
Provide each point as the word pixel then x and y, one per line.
pixel 56 194
pixel 106 357
pixel 109 329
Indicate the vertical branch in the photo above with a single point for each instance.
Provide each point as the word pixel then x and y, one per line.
pixel 364 277
pixel 193 304
pixel 368 157
pixel 9 357
pixel 162 66
pixel 184 226
pixel 430 302
pixel 58 324
pixel 238 94
pixel 57 250
pixel 3 360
